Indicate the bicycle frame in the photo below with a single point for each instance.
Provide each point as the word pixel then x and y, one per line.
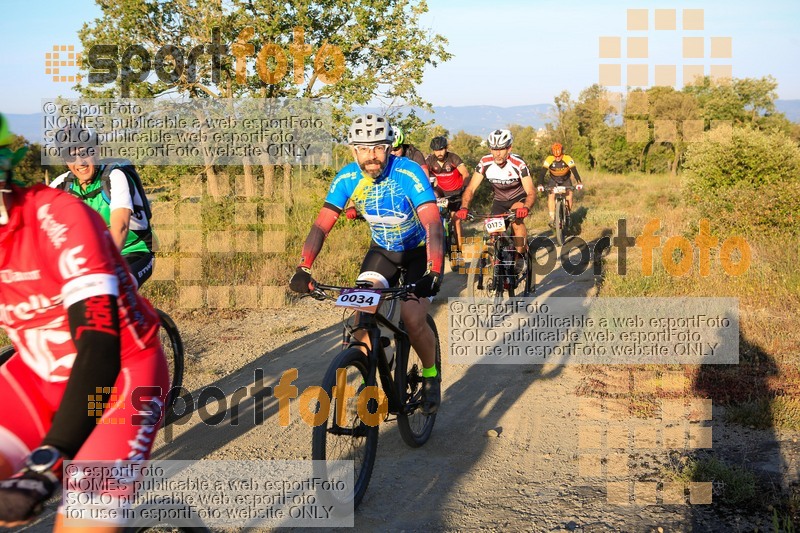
pixel 378 364
pixel 497 252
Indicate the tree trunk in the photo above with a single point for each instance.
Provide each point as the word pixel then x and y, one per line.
pixel 674 168
pixel 269 176
pixel 250 188
pixel 287 185
pixel 212 180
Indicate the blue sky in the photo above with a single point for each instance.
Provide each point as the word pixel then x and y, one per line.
pixel 506 52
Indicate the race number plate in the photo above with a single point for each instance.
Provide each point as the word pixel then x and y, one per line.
pixel 559 190
pixel 493 225
pixel 441 203
pixel 364 300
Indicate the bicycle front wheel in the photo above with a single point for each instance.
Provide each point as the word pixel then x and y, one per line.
pixel 414 425
pixel 481 276
pixel 172 344
pixel 561 222
pixel 5 354
pixel 343 436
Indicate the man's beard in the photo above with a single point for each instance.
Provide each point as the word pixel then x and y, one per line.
pixel 372 173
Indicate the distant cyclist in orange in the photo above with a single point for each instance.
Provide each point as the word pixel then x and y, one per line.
pixel 561 168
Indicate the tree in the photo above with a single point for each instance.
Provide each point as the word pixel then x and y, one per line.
pixel 468 147
pixel 347 52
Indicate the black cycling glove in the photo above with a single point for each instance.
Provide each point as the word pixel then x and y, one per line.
pixel 301 280
pixel 428 285
pixel 23 495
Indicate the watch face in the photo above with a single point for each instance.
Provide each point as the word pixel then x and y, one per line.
pixel 43 458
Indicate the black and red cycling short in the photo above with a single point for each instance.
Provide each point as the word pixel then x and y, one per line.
pixel 388 264
pixel 454 199
pixel 500 207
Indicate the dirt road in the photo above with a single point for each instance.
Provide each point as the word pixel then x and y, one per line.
pixel 552 466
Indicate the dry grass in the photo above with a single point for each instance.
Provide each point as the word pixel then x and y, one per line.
pixel 768 293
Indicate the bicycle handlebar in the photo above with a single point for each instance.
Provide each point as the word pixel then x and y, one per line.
pixel 511 216
pixel 404 292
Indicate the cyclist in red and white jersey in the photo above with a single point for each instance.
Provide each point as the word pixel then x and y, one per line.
pixel 80 330
pixel 512 185
pixel 448 173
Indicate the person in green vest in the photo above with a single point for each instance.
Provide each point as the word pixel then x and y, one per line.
pixel 113 189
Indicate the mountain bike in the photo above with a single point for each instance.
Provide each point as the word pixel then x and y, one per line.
pixel 343 435
pixel 499 268
pixel 451 248
pixel 172 345
pixel 562 213
pixel 173 351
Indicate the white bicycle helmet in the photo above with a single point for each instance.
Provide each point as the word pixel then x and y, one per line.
pixel 370 129
pixel 499 139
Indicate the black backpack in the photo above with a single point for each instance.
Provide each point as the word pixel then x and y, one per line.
pixel 106 166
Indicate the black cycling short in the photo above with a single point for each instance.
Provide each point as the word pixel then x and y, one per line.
pixel 454 200
pixel 559 182
pixel 388 264
pixel 498 208
pixel 141 265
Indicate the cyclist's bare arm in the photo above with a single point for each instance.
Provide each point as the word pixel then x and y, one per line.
pixel 319 232
pixel 462 168
pixel 120 220
pixel 469 192
pixel 530 191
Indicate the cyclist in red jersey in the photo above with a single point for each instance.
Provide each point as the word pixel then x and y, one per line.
pixel 448 172
pixel 512 184
pixel 70 307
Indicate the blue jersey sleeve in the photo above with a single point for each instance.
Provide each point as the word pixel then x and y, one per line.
pixel 343 185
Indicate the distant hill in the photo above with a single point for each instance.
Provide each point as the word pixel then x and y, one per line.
pixel 476 120
pixel 481 119
pixel 790 108
pixel 29 126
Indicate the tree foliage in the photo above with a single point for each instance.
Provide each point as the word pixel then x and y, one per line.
pixel 383 47
pixel 746 178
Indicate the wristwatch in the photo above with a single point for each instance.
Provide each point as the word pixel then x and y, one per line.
pixel 44 459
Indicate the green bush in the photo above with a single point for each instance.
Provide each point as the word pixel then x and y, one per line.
pixel 745 179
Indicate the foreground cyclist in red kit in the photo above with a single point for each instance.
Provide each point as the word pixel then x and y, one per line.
pixel 70 307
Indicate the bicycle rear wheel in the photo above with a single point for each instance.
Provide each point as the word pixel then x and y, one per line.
pixel 172 344
pixel 415 426
pixel 343 436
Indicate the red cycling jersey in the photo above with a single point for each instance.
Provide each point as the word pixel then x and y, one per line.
pixel 55 251
pixel 446 172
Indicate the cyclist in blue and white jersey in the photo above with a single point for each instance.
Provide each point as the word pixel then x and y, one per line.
pixel 396 199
